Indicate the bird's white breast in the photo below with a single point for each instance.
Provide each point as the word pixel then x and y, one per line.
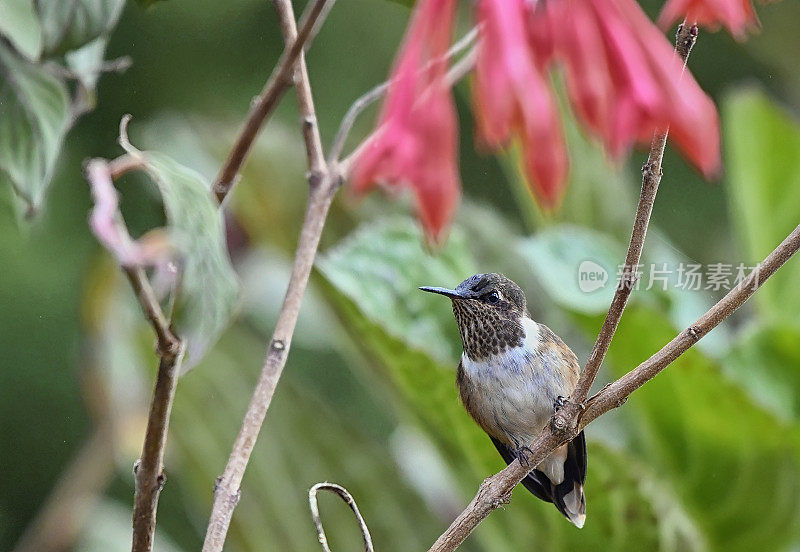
pixel 513 392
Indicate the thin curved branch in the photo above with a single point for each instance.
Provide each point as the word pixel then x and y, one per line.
pixel 375 94
pixel 148 470
pixel 458 71
pixel 349 500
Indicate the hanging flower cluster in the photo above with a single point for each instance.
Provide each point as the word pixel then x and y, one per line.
pixel 623 80
pixel 417 141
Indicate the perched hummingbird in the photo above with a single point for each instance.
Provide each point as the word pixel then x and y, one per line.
pixel 512 375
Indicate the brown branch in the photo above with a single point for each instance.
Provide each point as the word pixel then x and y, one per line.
pixel 496 490
pixel 149 477
pixel 148 470
pixel 651 177
pixel 265 103
pixel 324 182
pixel 617 392
pixel 349 500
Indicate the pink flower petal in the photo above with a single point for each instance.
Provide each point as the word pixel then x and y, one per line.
pixel 417 142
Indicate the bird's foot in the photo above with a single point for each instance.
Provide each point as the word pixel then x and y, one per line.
pixel 559 403
pixel 522 454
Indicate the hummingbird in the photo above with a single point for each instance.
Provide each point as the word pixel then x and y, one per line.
pixel 513 374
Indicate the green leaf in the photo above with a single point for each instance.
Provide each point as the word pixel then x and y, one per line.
pixel 765 363
pixel 383 279
pixel 19 24
pixel 731 462
pixel 69 24
pixel 34 117
pixel 208 290
pixel 763 146
pixel 86 63
pixel 577 267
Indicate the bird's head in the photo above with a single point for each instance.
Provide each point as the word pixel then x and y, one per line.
pixel 489 309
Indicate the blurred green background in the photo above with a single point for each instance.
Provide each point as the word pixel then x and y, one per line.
pixel 705 457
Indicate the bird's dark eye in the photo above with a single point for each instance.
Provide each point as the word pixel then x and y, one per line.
pixel 492 297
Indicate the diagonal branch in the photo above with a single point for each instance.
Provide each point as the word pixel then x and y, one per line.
pixel 325 179
pixel 323 186
pixel 496 490
pixel 278 82
pixel 349 500
pixel 651 177
pixel 148 469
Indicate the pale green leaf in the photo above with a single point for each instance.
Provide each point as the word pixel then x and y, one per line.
pixel 763 144
pixel 69 24
pixel 576 266
pixel 19 24
pixel 86 62
pixel 208 290
pixel 765 361
pixel 34 117
pixel 380 268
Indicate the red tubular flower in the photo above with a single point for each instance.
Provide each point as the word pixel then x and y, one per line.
pixel 512 97
pixel 417 140
pixel 625 81
pixel 737 15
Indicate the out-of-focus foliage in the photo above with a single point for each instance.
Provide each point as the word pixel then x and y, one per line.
pixel 764 144
pixel 202 276
pixel 69 24
pixel 35 107
pixel 705 457
pixel 34 116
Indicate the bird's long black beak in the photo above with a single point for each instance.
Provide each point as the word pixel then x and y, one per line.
pixel 451 293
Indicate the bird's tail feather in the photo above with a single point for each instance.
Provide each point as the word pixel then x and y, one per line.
pixel 568 495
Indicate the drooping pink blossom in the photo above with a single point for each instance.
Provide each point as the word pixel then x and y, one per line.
pixel 417 139
pixel 625 81
pixel 512 97
pixel 738 16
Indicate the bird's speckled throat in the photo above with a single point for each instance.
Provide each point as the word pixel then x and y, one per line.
pixel 486 331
